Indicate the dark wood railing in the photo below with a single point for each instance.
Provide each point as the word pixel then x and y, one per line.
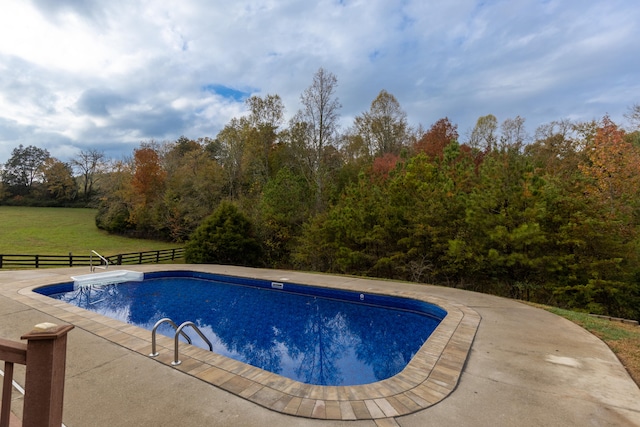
pixel 44 355
pixel 41 261
pixel 149 257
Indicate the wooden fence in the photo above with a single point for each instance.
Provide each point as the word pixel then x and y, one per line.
pixel 43 261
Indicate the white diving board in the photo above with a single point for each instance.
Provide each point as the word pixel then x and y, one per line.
pixel 106 278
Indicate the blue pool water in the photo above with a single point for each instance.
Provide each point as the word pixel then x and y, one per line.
pixel 313 335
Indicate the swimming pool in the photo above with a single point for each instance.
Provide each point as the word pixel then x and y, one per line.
pixel 313 335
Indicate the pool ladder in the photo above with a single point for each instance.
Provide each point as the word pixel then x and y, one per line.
pixel 179 331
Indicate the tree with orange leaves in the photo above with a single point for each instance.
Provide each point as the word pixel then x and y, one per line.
pixel 439 135
pixel 613 169
pixel 147 184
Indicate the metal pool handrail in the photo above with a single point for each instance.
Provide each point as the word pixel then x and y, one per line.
pixel 176 361
pixel 106 261
pixel 154 353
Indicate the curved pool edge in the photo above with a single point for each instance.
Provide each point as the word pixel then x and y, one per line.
pixel 430 376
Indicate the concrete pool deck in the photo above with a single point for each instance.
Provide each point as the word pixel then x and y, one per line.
pixel 516 365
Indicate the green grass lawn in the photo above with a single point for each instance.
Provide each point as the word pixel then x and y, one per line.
pixel 58 231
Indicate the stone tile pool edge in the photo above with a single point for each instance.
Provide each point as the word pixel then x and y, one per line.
pixel 429 377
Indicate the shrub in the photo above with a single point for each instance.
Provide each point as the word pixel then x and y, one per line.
pixel 225 237
pixel 113 218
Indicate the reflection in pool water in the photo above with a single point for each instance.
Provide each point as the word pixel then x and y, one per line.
pixel 312 339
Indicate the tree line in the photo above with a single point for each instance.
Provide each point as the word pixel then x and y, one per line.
pixel 551 217
pixel 32 176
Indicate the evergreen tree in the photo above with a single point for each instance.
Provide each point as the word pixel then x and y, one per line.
pixel 225 237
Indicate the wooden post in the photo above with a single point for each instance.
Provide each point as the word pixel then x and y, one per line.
pixel 44 381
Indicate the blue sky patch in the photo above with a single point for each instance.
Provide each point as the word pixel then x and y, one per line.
pixel 227 92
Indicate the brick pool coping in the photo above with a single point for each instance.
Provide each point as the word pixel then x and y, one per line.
pixel 430 376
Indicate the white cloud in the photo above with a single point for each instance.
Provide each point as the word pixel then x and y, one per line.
pixel 113 73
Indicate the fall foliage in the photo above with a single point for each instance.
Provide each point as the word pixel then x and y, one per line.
pixel 551 218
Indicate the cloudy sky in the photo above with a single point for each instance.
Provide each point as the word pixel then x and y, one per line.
pixel 108 74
